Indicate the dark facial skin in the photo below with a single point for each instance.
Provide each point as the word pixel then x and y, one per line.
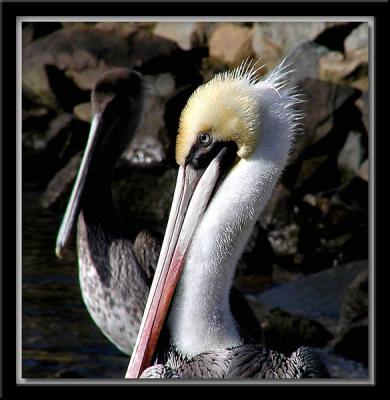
pixel 205 149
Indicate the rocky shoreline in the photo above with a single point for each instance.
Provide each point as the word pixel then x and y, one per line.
pixel 305 269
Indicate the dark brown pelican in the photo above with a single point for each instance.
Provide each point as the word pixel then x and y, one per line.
pixel 114 273
pixel 235 135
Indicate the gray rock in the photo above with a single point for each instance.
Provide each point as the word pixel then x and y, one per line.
pixel 271 41
pixel 318 296
pixel 353 342
pixel 342 368
pixel 27 34
pixel 161 85
pixel 357 39
pixel 304 59
pixel 323 100
pixel 354 307
pixel 351 156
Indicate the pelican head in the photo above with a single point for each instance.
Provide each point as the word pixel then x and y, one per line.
pixel 116 110
pixel 235 134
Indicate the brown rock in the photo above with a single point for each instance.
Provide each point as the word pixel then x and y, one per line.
pixel 309 168
pixel 322 203
pixel 118 28
pixel 363 105
pixel 87 70
pixel 363 171
pixel 67 24
pixel 186 34
pixel 85 52
pixel 356 48
pixel 34 113
pixel 230 44
pixel 336 68
pixel 83 112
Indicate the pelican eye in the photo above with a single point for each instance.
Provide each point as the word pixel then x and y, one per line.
pixel 204 139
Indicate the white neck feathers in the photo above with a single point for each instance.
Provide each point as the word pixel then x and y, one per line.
pixel 200 319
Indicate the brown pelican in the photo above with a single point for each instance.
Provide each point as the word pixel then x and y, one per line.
pixel 234 139
pixel 114 272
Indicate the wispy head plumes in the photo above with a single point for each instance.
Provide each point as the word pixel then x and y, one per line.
pixel 248 70
pixel 292 95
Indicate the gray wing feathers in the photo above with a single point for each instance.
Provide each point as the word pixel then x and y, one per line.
pixel 310 363
pixel 259 363
pixel 244 362
pixel 204 366
pixel 159 372
pixel 213 365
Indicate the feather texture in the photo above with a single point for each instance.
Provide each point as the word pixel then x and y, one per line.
pixel 228 107
pixel 243 362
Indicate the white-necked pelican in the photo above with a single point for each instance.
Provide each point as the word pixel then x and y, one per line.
pixel 234 138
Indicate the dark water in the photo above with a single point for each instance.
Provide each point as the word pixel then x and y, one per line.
pixel 59 339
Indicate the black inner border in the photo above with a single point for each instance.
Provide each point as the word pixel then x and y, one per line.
pixel 10 11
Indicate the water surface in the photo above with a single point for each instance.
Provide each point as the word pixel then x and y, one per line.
pixel 59 338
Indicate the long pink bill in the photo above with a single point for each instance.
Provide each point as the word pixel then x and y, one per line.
pixel 193 191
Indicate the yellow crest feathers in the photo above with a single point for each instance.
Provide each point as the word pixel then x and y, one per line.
pixel 225 107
